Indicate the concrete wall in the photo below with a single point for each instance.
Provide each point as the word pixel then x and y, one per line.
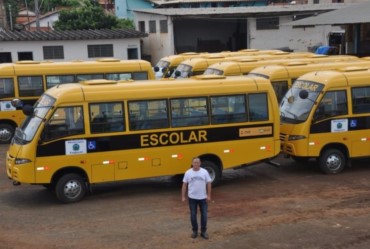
pixel 157 45
pixel 73 50
pixel 124 8
pixel 297 39
pixel 47 21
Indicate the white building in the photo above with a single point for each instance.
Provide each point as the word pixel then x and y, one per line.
pixel 70 45
pixel 171 31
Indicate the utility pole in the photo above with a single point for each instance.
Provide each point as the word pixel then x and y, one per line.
pixel 10 17
pixel 37 12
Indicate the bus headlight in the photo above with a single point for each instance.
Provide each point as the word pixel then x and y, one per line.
pixel 22 161
pixel 296 137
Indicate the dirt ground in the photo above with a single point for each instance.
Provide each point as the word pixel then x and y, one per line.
pixel 291 206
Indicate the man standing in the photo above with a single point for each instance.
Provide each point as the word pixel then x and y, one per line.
pixel 197 183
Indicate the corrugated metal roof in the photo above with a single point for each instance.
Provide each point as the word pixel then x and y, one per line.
pixel 166 2
pixel 245 10
pixel 70 35
pixel 356 13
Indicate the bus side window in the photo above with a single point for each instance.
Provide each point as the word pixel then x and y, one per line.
pixel 6 88
pixel 66 121
pixel 53 80
pixel 118 76
pixel 146 115
pixel 140 76
pixel 82 77
pixel 189 112
pixel 109 117
pixel 361 100
pixel 228 109
pixel 334 103
pixel 258 107
pixel 280 88
pixel 30 86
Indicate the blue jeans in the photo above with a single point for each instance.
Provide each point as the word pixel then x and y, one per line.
pixel 203 206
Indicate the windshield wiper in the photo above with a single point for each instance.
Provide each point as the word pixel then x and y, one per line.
pixel 291 113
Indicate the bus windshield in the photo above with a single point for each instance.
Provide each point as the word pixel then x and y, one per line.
pixel 213 71
pixel 299 100
pixel 182 71
pixel 27 131
pixel 162 64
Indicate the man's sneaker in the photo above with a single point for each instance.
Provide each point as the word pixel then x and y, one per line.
pixel 204 235
pixel 194 235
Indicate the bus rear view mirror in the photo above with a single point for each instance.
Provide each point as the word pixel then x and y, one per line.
pixel 16 103
pixel 28 110
pixel 303 94
pixel 177 73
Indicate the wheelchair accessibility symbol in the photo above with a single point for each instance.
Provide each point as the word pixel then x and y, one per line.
pixel 91 145
pixel 353 123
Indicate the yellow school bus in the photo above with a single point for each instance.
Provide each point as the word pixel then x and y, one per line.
pixel 325 115
pixel 27 80
pixel 244 65
pixel 100 131
pixel 282 76
pixel 167 65
pixel 197 66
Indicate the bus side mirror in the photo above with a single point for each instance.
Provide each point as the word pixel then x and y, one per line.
pixel 303 94
pixel 28 110
pixel 177 73
pixel 17 103
pixel 156 69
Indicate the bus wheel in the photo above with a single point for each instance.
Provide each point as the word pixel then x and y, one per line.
pixel 332 161
pixel 6 133
pixel 213 170
pixel 70 188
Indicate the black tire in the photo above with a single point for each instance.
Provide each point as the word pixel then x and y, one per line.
pixel 70 188
pixel 6 133
pixel 214 172
pixel 177 179
pixel 332 161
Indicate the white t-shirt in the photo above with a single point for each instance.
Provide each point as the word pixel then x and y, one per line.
pixel 197 183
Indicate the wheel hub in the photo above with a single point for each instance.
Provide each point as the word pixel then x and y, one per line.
pixel 72 189
pixel 5 135
pixel 333 162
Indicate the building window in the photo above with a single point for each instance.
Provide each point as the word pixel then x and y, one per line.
pixel 316 1
pixel 267 23
pixel 163 26
pixel 132 53
pixel 53 52
pixel 152 28
pixel 141 26
pixel 104 50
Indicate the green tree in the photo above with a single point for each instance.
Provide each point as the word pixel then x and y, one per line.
pixel 45 6
pixel 89 17
pixel 11 9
